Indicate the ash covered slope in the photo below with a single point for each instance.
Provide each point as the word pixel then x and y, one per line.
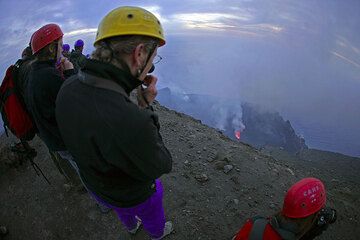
pixel 201 197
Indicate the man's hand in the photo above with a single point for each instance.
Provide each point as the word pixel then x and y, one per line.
pixel 147 95
pixel 64 64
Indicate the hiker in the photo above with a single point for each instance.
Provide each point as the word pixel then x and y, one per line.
pixel 43 85
pixel 115 142
pixel 20 76
pixel 24 65
pixel 76 56
pixel 303 216
pixel 26 53
pixel 14 112
pixel 66 50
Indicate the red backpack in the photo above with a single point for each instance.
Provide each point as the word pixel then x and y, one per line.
pixel 13 109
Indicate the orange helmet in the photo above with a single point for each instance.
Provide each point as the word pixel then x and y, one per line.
pixel 304 198
pixel 44 36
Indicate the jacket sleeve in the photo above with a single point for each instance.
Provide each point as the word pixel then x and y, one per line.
pixel 143 154
pixel 68 73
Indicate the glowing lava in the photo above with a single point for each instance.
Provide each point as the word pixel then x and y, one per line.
pixel 237 135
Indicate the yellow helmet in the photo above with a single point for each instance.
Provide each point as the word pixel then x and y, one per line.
pixel 130 21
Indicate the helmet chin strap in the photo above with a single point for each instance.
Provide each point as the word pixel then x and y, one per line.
pixel 152 69
pixel 56 57
pixel 140 71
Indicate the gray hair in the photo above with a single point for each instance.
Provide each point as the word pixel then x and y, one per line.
pixel 121 46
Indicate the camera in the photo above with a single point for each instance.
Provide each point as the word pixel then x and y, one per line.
pixel 326 216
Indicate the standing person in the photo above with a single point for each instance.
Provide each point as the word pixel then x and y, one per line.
pixel 116 143
pixel 76 56
pixel 66 50
pixel 43 85
pixel 20 75
pixel 304 215
pixel 23 68
pixel 26 53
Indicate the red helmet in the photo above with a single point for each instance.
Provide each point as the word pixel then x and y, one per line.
pixel 44 36
pixel 304 198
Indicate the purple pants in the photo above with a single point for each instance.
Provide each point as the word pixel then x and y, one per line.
pixel 151 213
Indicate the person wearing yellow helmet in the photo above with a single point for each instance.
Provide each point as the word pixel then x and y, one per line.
pixel 115 142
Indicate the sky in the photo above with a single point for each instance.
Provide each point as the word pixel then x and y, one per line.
pixel 301 58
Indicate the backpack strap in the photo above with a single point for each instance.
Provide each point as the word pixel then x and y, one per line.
pixel 18 63
pixel 258 228
pixel 16 68
pixel 101 83
pixel 284 231
pixel 6 131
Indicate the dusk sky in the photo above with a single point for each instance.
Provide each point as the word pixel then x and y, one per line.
pixel 301 58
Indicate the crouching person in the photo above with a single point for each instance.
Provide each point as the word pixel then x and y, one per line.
pixel 304 215
pixel 116 143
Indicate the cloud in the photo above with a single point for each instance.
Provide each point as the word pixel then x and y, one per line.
pixel 72 23
pixel 80 32
pixel 345 59
pixel 58 15
pixel 156 10
pixel 211 26
pixel 236 23
pixel 261 28
pixel 20 21
pixel 343 42
pixel 41 7
pixel 355 49
pixel 208 18
pixel 18 31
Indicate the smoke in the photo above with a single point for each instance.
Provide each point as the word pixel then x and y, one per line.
pixel 226 113
pixel 236 122
pixel 186 98
pixel 220 115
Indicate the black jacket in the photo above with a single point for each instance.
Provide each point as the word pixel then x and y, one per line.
pixel 21 74
pixel 117 145
pixel 43 85
pixel 77 59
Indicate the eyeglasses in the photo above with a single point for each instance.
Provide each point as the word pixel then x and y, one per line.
pixel 157 59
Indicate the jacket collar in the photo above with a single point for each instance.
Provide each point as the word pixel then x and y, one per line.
pixel 109 71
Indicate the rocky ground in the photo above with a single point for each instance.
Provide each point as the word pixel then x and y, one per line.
pixel 216 183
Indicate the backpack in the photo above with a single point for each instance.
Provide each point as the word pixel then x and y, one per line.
pixel 13 110
pixel 259 225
